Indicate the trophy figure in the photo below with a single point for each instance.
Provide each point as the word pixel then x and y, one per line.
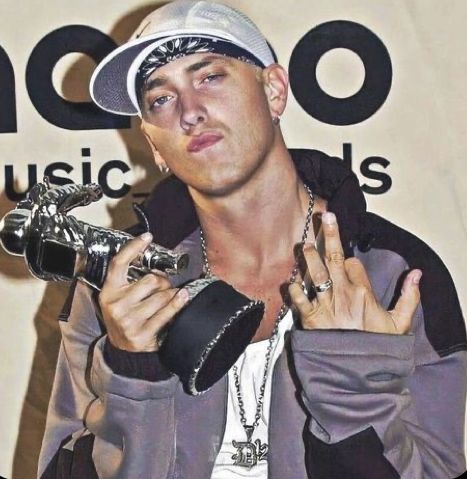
pixel 206 337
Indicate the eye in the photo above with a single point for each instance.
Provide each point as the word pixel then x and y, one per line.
pixel 212 77
pixel 160 101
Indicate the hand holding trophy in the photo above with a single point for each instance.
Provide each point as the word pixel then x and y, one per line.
pixel 207 335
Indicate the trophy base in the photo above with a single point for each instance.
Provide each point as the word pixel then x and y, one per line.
pixel 209 334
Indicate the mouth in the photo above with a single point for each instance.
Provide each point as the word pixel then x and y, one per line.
pixel 203 141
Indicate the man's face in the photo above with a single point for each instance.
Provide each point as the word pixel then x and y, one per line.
pixel 209 119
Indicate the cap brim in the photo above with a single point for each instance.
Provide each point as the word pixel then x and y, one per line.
pixel 108 86
pixel 109 82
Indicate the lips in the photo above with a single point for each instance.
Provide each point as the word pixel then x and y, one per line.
pixel 203 141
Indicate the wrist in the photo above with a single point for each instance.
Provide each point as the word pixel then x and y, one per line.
pixel 145 365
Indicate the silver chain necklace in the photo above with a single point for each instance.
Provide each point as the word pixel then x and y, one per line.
pixel 249 453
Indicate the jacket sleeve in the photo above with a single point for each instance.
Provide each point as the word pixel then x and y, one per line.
pixel 97 422
pixel 381 405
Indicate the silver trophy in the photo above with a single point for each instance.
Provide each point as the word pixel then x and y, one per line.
pixel 58 247
pixel 206 337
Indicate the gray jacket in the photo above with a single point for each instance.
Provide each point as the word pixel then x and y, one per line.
pixel 346 404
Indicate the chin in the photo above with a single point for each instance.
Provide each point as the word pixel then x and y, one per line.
pixel 221 185
pixel 218 173
pixel 213 189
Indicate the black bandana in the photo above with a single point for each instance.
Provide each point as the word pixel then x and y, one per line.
pixel 182 46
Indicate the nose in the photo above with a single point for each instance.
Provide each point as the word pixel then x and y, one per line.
pixel 193 111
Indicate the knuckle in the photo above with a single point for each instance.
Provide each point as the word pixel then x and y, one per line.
pixel 320 276
pixel 335 257
pixel 116 262
pixel 352 261
pixel 309 250
pixel 107 291
pixel 294 287
pixel 162 302
pixel 114 311
pixel 150 279
pixel 156 281
pixel 125 327
pixel 103 298
pixel 300 300
pixel 331 230
pixel 293 292
pixel 167 295
pixel 163 283
pixel 133 243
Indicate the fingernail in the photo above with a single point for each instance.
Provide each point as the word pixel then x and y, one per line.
pixel 328 218
pixel 183 296
pixel 146 236
pixel 416 276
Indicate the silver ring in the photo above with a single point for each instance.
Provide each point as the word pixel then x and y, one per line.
pixel 321 288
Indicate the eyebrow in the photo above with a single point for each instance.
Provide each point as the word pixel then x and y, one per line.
pixel 162 80
pixel 207 61
pixel 154 83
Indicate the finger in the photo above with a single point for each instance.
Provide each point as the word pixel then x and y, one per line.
pixel 118 268
pixel 168 312
pixel 146 286
pixel 334 254
pixel 136 271
pixel 150 306
pixel 407 304
pixel 356 273
pixel 160 273
pixel 300 300
pixel 317 271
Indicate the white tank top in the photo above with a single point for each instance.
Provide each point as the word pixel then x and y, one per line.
pixel 250 366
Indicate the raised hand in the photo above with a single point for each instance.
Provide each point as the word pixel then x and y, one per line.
pixel 344 296
pixel 134 313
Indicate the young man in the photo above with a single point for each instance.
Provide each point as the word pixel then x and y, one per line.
pixel 349 386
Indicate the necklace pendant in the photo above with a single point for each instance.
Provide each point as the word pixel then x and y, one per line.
pixel 249 432
pixel 249 453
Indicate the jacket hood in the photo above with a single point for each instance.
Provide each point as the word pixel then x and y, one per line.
pixel 172 217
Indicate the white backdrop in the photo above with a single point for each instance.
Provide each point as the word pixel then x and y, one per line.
pixel 420 130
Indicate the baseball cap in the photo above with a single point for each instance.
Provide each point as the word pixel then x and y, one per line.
pixel 175 30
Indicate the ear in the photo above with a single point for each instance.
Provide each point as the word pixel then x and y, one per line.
pixel 160 162
pixel 276 86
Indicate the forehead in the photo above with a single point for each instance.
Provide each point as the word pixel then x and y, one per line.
pixel 190 64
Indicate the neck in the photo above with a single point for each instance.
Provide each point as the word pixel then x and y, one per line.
pixel 263 219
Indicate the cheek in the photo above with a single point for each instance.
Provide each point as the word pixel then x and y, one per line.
pixel 162 121
pixel 251 108
pixel 252 118
pixel 171 151
pixel 162 138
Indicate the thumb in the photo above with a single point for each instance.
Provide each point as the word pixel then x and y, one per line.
pixel 407 304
